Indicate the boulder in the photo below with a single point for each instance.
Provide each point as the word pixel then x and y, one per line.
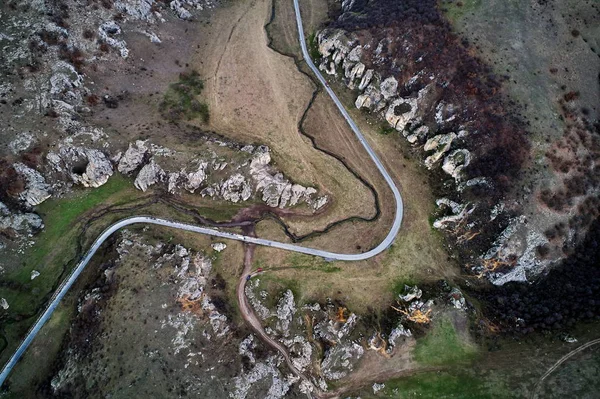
pixel 389 87
pixel 455 162
pixel 459 211
pixel 355 54
pixel 23 223
pixel 397 333
pixel 335 43
pixel 235 188
pixel 173 181
pixel 370 99
pixel 86 166
pixel 457 299
pixel 195 179
pixel 286 308
pixel 22 142
pixel 339 360
pixel 180 10
pixel 440 144
pixel 277 191
pixel 366 79
pixel 410 293
pixel 149 175
pixel 107 32
pixel 419 134
pixel 98 169
pixel 355 73
pixel 36 189
pixel 218 246
pixel 133 157
pixel 445 113
pixel 402 112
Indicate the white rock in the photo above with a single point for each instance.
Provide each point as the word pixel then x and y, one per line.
pixel 21 143
pixel 218 246
pixel 34 274
pixel 4 304
pixel 36 189
pixel 133 157
pixel 441 144
pixel 149 175
pixel 455 162
pixel 389 87
pixel 366 79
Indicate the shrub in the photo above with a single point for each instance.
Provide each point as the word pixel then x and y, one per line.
pixel 180 101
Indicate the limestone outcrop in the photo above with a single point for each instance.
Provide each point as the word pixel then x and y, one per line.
pixel 86 166
pixel 133 157
pixel 36 189
pixel 149 175
pixel 251 176
pixel 19 222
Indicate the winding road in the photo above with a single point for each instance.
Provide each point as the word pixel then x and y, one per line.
pixel 66 285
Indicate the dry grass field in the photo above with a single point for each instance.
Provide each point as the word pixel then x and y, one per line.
pixel 257 95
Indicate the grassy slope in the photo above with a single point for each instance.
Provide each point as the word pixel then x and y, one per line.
pixel 443 385
pixel 55 245
pixel 443 346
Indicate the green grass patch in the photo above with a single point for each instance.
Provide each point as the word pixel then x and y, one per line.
pixel 302 261
pixel 443 386
pixel 442 346
pixel 385 130
pixel 180 100
pixel 456 10
pixel 313 47
pixel 276 286
pixel 397 287
pixel 56 243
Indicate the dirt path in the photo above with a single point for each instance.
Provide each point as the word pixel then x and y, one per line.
pixel 250 317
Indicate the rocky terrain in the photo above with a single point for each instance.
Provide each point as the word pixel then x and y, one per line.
pixel 50 144
pixel 155 320
pixel 507 195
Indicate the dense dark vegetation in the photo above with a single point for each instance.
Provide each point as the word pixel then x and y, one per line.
pixel 568 294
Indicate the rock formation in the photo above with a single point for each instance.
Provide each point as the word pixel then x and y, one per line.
pixel 86 166
pixel 36 189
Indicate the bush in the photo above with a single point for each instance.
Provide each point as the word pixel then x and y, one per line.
pixel 180 101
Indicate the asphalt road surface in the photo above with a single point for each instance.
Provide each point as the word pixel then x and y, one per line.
pixel 387 241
